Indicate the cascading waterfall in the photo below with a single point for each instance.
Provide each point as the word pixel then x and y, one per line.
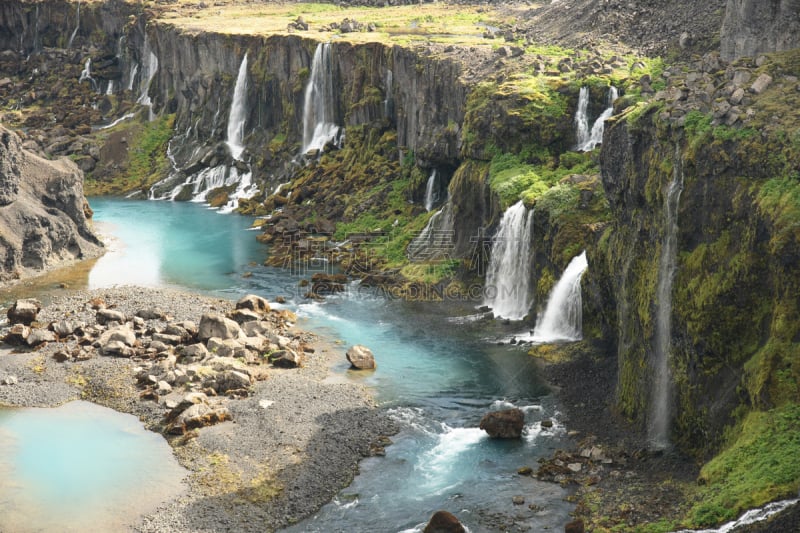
pixel 509 275
pixel 238 116
pixel 436 239
pixel 562 319
pixel 595 137
pixel 582 118
pixel 319 124
pixel 658 424
pixel 431 192
pixel 224 175
pixel 132 76
pixel 86 73
pixel 77 27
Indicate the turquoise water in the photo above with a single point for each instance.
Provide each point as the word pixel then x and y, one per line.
pixel 80 467
pixel 171 243
pixel 439 370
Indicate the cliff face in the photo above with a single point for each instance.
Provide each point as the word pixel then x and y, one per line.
pixel 753 27
pixel 43 213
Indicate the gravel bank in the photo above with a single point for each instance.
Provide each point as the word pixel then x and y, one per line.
pixel 294 440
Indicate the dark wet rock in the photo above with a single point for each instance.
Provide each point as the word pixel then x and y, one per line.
pixel 576 526
pixel 361 357
pixel 505 424
pixel 232 380
pixel 153 313
pixel 444 522
pixel 24 311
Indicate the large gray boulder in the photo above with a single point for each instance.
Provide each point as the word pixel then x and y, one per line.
pixel 216 325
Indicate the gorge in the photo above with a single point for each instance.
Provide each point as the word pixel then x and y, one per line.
pixel 498 160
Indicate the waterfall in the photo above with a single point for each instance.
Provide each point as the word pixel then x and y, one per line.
pixel 238 116
pixel 150 69
pixel 319 126
pixel 658 424
pixel 436 239
pixel 388 103
pixel 582 118
pixel 110 88
pixel 77 27
pixel 596 135
pixel 86 73
pixel 509 275
pixel 431 192
pixel 562 319
pixel 132 76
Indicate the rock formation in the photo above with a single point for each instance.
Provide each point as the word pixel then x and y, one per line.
pixel 753 27
pixel 44 216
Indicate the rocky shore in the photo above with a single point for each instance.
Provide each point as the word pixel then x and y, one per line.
pixel 240 394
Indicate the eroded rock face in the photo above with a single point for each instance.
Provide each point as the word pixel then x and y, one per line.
pixel 753 27
pixel 42 217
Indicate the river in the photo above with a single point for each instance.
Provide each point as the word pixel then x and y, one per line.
pixel 439 370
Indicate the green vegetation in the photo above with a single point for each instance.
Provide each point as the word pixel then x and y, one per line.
pixel 759 465
pixel 147 158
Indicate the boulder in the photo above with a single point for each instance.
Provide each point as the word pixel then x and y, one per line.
pixel 216 325
pixel 24 311
pixel 243 316
pixel 232 380
pixel 226 348
pixel 253 303
pixel 17 334
pixel 104 316
pixel 167 339
pixel 63 328
pixel 123 334
pixel 505 424
pixel 193 353
pixel 761 84
pixel 40 336
pixel 286 359
pixel 197 416
pixel 444 522
pixel 361 358
pixel 117 348
pixel 153 313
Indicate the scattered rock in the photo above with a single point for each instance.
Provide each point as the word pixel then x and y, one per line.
pixel 105 316
pixel 525 471
pixel 194 353
pixel 242 316
pixel 761 84
pixel 9 380
pixel 24 311
pixel 547 423
pixel 232 380
pixel 505 424
pixel 286 359
pixel 518 500
pixel 216 325
pixel 17 334
pixel 361 357
pixel 40 336
pixel 253 303
pixel 444 522
pixel 153 313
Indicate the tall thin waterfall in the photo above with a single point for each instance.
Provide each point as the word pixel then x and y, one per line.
pixel 149 72
pixel 86 73
pixel 132 75
pixel 582 118
pixel 431 192
pixel 77 27
pixel 563 317
pixel 596 135
pixel 388 103
pixel 659 420
pixel 319 123
pixel 238 116
pixel 509 275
